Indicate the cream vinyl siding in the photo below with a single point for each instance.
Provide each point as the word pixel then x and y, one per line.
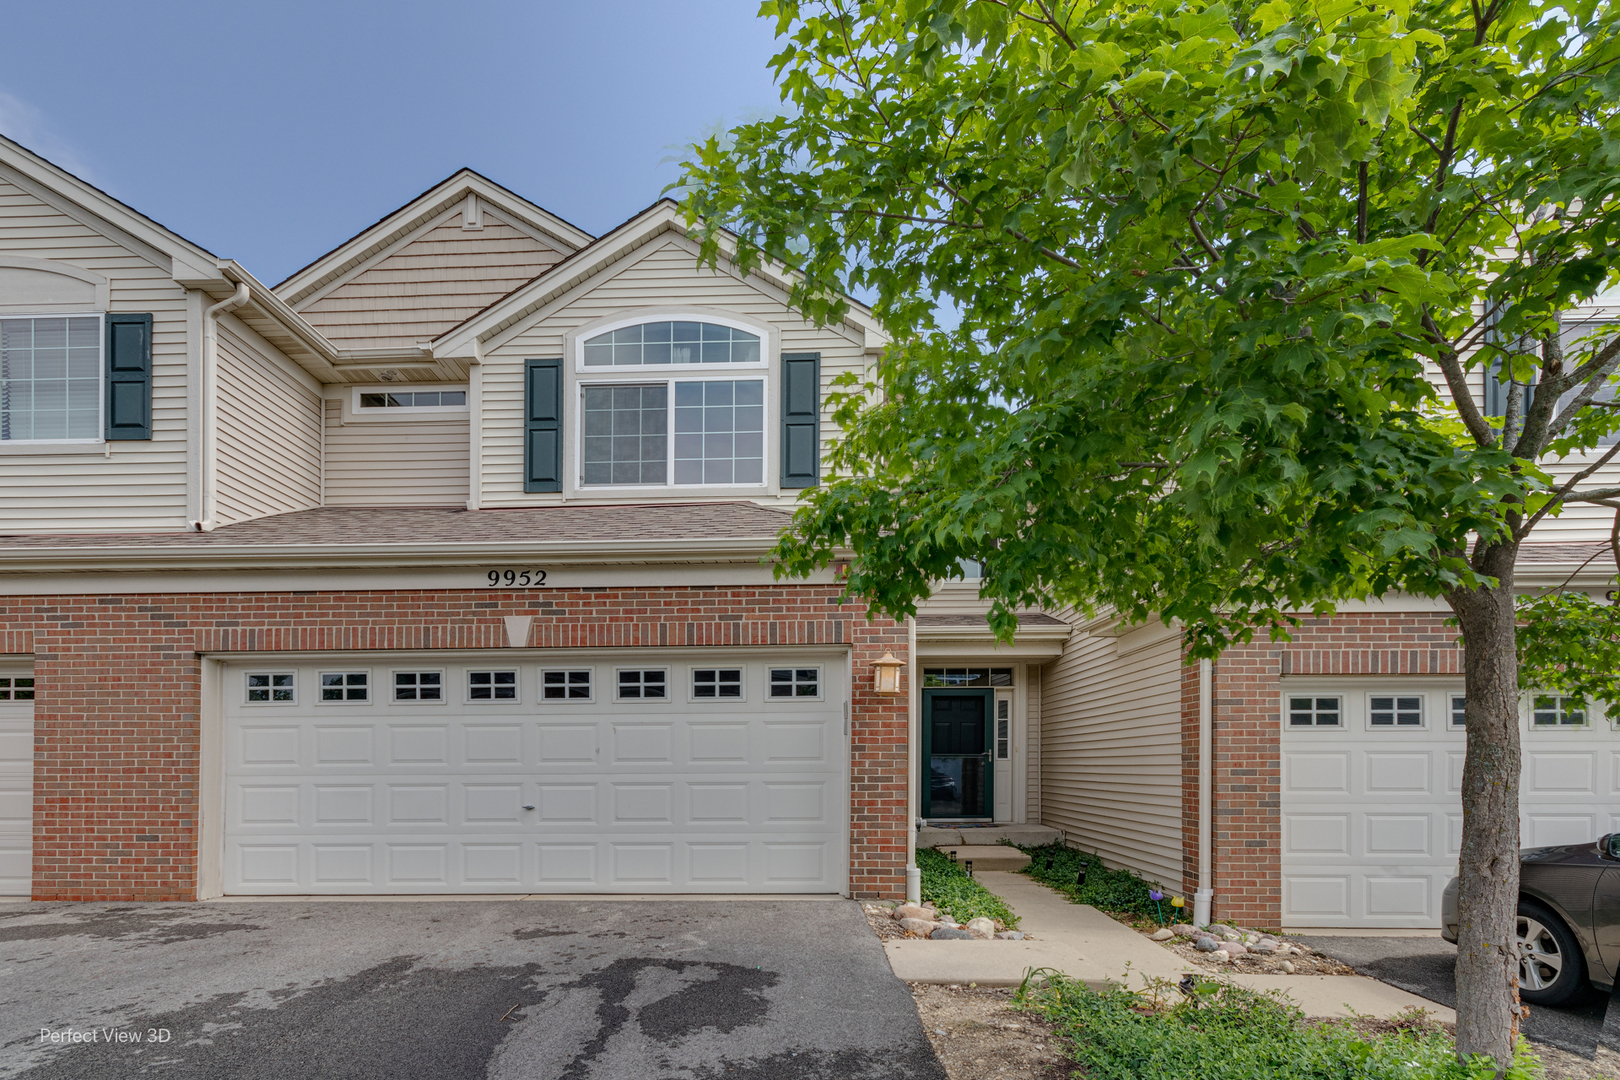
pixel 134 486
pixel 429 284
pixel 1034 683
pixel 269 443
pixel 1110 749
pixel 662 275
pixel 411 461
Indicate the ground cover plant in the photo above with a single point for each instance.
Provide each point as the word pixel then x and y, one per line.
pixel 948 887
pixel 1119 892
pixel 1223 1032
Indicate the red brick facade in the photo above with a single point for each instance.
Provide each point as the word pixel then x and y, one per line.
pixel 1247 733
pixel 117 719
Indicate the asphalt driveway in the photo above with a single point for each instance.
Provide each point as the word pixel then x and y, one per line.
pixel 1427 966
pixel 508 990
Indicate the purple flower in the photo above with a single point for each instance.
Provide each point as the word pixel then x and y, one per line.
pixel 1155 894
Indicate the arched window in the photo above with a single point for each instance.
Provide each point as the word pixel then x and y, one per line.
pixel 671 342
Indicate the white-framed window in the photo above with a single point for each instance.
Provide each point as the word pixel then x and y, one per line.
pixel 643 684
pixel 419 686
pixel 795 682
pixel 347 686
pixel 1316 710
pixel 408 399
pixel 271 688
pixel 573 684
pixel 700 432
pixel 1459 710
pixel 1394 710
pixel 1003 727
pixel 492 686
pixel 1558 711
pixel 50 378
pixel 639 342
pixel 16 688
pixel 717 683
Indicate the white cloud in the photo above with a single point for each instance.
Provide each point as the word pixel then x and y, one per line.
pixel 23 123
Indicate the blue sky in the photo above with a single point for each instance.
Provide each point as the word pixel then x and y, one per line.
pixel 270 133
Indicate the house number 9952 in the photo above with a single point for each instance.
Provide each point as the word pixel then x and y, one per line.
pixel 516 579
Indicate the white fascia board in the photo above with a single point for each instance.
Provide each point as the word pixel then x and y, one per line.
pixel 101 212
pixel 987 651
pixel 430 204
pixel 267 556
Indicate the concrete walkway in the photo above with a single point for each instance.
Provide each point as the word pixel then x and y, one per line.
pixel 1086 944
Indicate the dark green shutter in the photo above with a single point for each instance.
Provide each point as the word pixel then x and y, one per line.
pixel 542 425
pixel 801 419
pixel 129 376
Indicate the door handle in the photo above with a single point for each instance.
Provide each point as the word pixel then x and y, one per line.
pixel 528 807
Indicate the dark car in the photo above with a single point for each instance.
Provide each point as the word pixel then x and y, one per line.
pixel 1569 919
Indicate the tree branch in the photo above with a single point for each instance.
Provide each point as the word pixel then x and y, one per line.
pixel 1457 380
pixel 1567 492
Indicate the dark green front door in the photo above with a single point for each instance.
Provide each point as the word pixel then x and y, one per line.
pixel 956 754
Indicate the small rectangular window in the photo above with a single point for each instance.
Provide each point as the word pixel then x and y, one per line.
pixel 1459 710
pixel 795 682
pixel 492 686
pixel 1003 736
pixel 345 686
pixel 1395 711
pixel 1313 712
pixel 1556 710
pixel 566 685
pixel 270 686
pixel 414 399
pixel 717 683
pixel 953 677
pixel 16 688
pixel 418 686
pixel 643 684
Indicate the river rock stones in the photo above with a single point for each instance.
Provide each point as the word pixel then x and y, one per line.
pixel 1206 944
pixel 951 933
pixel 919 926
pixel 982 927
pixel 1163 934
pixel 912 911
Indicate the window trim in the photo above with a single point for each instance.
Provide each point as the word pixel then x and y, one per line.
pixel 577 473
pixel 665 668
pixel 375 412
pixel 40 446
pixel 517 686
pixel 741 667
pixel 320 685
pixel 767 349
pixel 1423 711
pixel 248 673
pixel 589 699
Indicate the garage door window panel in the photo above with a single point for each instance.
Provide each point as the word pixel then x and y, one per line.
pixel 491 686
pixel 1554 711
pixel 709 684
pixel 271 688
pixel 346 687
pixel 1459 711
pixel 571 685
pixel 1317 711
pixel 16 688
pixel 419 687
pixel 798 683
pixel 1395 711
pixel 643 684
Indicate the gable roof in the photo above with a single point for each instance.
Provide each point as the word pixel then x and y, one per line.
pixel 662 217
pixel 392 228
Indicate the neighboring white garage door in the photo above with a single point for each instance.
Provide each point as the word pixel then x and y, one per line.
pixel 1372 804
pixel 640 773
pixel 16 781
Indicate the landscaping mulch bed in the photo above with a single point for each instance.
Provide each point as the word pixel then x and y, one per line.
pixel 977 1035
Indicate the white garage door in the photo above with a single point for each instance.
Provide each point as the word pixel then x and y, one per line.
pixel 642 773
pixel 16 781
pixel 1372 804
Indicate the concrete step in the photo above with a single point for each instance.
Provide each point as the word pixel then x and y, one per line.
pixel 999 857
pixel 986 835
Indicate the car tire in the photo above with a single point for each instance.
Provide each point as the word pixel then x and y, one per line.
pixel 1551 967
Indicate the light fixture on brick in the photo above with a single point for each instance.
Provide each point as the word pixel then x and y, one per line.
pixel 888 673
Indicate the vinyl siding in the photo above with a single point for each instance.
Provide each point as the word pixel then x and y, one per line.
pixel 662 275
pixel 429 284
pixel 1110 749
pixel 135 486
pixel 410 462
pixel 268 457
pixel 1034 682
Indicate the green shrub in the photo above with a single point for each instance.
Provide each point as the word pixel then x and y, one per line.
pixel 947 886
pixel 1230 1033
pixel 1108 890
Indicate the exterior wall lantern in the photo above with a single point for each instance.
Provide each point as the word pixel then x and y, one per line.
pixel 888 673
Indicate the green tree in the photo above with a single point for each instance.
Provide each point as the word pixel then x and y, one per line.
pixel 1207 257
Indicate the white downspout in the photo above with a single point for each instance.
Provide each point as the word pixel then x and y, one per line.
pixel 1203 899
pixel 475 426
pixel 913 762
pixel 210 402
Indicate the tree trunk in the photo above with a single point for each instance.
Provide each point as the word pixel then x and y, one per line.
pixel 1488 898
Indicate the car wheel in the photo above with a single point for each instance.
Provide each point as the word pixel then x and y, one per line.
pixel 1550 966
